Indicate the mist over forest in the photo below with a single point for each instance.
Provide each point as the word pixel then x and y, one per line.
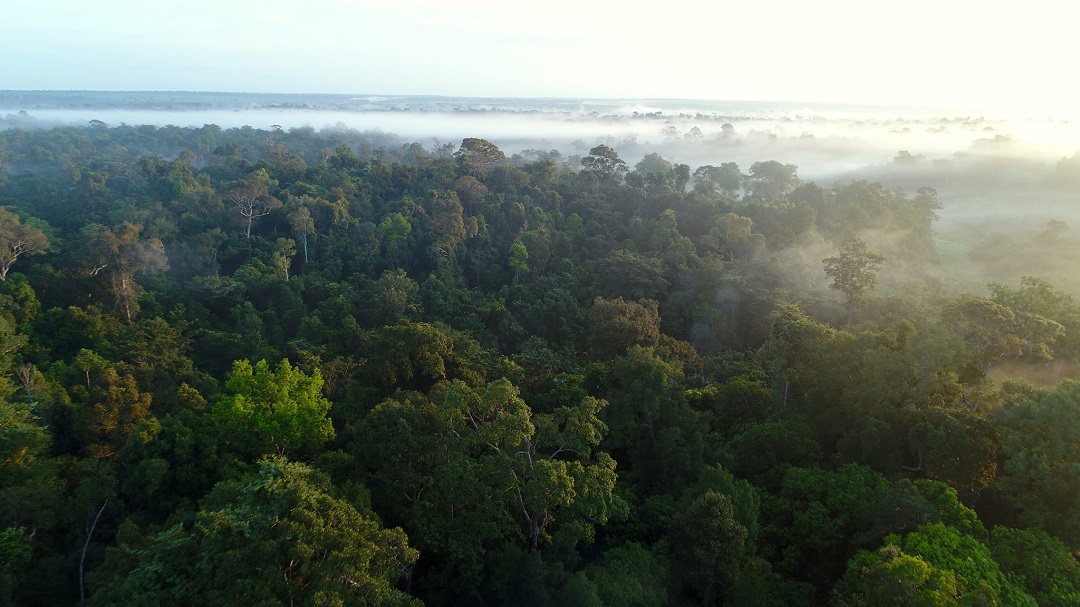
pixel 1001 176
pixel 390 350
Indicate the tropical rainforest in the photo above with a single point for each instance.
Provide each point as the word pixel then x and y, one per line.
pixel 301 367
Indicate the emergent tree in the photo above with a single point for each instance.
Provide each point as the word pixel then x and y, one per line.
pixel 853 272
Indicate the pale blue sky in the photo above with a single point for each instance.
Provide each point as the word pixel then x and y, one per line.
pixel 922 52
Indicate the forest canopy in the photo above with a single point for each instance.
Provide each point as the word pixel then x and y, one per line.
pixel 328 367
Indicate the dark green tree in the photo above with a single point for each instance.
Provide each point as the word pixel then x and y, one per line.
pixel 710 544
pixel 277 536
pixel 605 162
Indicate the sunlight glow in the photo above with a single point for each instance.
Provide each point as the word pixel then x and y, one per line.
pixel 961 54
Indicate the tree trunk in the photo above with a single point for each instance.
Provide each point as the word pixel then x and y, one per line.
pixel 86 546
pixel 125 296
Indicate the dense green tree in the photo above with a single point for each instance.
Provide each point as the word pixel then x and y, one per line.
pixel 654 430
pixel 479 470
pixel 936 565
pixel 1039 482
pixel 448 226
pixel 726 178
pixel 605 162
pixel 475 155
pixel 301 222
pixel 770 180
pixel 617 325
pixel 393 298
pixel 711 544
pixel 267 411
pixel 394 231
pixel 421 354
pixel 284 250
pixel 518 259
pixel 780 222
pixel 629 275
pixel 629 575
pixel 1047 569
pixel 764 451
pixel 109 412
pixel 732 237
pixel 998 333
pixel 1037 299
pixel 278 535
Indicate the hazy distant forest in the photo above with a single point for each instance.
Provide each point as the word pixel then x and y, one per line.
pixel 301 367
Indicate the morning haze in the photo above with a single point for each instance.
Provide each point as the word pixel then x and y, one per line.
pixel 408 302
pixel 998 174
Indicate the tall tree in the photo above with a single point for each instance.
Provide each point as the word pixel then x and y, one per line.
pixel 997 333
pixel 710 543
pixel 301 222
pixel 770 180
pixel 17 239
pixel 120 253
pixel 853 272
pixel 447 224
pixel 252 197
pixel 935 565
pixel 605 162
pixel 284 250
pixel 110 412
pixel 475 155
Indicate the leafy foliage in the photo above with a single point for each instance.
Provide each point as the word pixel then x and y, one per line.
pixel 281 410
pixel 558 380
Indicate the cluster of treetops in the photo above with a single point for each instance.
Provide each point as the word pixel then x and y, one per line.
pixel 248 367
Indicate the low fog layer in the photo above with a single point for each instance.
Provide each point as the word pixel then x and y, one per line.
pixel 1001 178
pixel 823 140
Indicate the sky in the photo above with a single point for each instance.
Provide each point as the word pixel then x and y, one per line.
pixel 939 53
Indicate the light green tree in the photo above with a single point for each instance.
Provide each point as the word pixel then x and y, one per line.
pixel 266 411
pixel 769 180
pixel 935 565
pixel 284 251
pixel 519 258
